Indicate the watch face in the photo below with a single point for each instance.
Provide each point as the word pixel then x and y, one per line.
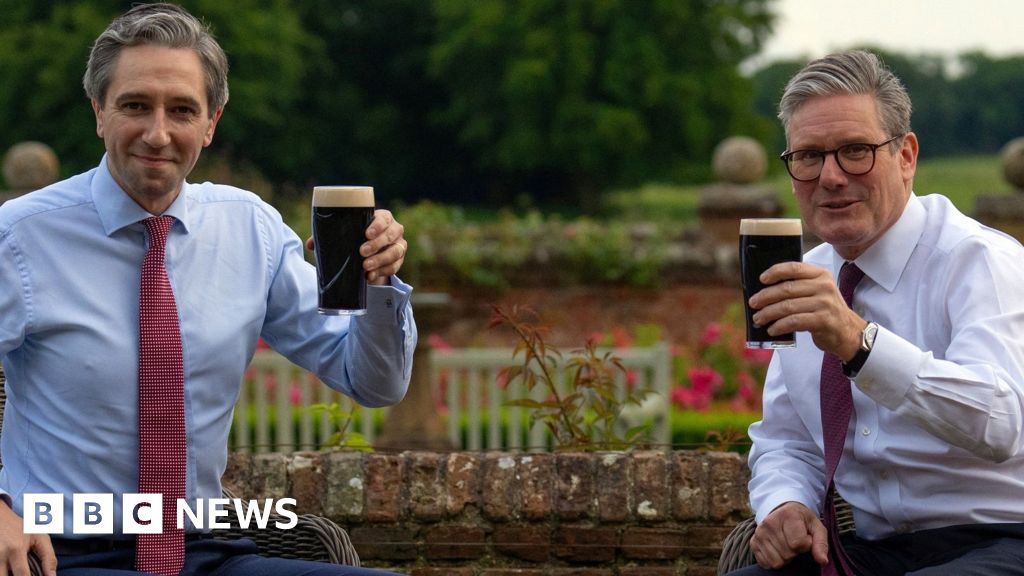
pixel 870 332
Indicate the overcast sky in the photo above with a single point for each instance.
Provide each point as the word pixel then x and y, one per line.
pixel 813 28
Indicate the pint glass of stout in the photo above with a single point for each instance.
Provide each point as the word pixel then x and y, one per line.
pixel 765 242
pixel 341 215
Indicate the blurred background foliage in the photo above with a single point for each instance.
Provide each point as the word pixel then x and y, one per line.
pixel 518 103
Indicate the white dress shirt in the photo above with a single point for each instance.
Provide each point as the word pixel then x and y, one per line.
pixel 935 438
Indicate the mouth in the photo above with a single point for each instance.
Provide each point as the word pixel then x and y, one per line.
pixel 837 204
pixel 152 160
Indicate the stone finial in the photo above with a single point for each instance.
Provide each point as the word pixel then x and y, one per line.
pixel 30 166
pixel 1013 163
pixel 739 160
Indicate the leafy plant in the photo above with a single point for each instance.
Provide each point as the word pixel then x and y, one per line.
pixel 585 416
pixel 341 422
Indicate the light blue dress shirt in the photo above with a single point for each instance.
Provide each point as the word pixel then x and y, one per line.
pixel 70 258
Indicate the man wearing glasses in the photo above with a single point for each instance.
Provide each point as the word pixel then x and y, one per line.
pixel 922 374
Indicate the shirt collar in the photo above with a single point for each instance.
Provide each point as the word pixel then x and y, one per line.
pixel 116 208
pixel 886 259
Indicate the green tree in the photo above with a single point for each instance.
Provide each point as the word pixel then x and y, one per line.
pixel 44 46
pixel 568 98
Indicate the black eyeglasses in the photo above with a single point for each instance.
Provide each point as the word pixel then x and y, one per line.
pixel 855 159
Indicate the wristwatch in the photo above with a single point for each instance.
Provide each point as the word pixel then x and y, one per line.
pixel 867 342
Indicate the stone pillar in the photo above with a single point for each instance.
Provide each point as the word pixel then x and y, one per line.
pixel 739 164
pixel 414 423
pixel 28 166
pixel 1006 211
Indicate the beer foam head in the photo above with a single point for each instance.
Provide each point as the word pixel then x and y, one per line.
pixel 770 227
pixel 343 196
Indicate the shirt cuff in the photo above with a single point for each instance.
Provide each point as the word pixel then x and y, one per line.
pixel 890 369
pixel 780 497
pixel 385 303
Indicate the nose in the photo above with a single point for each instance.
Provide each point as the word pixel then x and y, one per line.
pixel 156 134
pixel 831 174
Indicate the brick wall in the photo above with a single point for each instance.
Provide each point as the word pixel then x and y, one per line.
pixel 501 514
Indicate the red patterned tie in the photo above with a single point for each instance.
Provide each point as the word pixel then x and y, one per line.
pixel 836 408
pixel 161 406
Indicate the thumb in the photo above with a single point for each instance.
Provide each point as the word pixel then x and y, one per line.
pixel 44 551
pixel 819 542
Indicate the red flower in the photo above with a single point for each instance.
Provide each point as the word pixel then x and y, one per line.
pixel 712 332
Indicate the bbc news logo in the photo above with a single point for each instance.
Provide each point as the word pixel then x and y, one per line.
pixel 143 513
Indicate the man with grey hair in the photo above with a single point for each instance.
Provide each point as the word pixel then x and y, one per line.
pixel 131 302
pixel 905 392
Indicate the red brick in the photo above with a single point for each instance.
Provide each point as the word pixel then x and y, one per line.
pixel 728 481
pixel 305 471
pixel 652 543
pixel 384 479
pixel 524 542
pixel 512 572
pixel 614 486
pixel 384 542
pixel 452 571
pixel 583 572
pixel 576 496
pixel 689 486
pixel 651 488
pixel 498 486
pixel 585 544
pixel 426 490
pixel 649 571
pixel 448 542
pixel 462 480
pixel 537 481
pixel 702 571
pixel 704 542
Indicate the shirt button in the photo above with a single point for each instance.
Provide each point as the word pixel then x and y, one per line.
pixel 904 528
pixel 866 431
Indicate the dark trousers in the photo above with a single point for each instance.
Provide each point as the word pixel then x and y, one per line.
pixel 969 550
pixel 205 557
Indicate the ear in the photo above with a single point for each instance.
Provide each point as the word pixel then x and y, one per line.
pixel 208 139
pixel 908 156
pixel 98 111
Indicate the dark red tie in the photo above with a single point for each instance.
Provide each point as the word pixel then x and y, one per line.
pixel 161 406
pixel 836 408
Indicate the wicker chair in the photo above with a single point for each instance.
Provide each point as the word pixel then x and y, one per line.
pixel 736 552
pixel 312 538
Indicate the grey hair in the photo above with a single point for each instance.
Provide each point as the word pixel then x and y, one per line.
pixel 853 72
pixel 162 25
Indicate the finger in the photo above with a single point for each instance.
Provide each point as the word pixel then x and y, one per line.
pixel 43 548
pixel 382 220
pixel 309 243
pixel 767 554
pixel 819 545
pixel 387 262
pixel 391 236
pixel 789 271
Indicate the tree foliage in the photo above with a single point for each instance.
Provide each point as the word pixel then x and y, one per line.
pixel 487 101
pixel 573 97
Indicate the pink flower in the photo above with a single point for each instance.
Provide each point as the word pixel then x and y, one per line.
pixel 295 394
pixel 712 332
pixel 436 342
pixel 704 380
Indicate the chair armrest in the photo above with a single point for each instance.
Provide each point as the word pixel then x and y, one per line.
pixel 736 552
pixel 312 538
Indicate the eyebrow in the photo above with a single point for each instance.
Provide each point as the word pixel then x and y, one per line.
pixel 177 100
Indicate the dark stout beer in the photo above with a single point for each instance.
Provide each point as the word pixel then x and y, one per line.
pixel 341 215
pixel 765 242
